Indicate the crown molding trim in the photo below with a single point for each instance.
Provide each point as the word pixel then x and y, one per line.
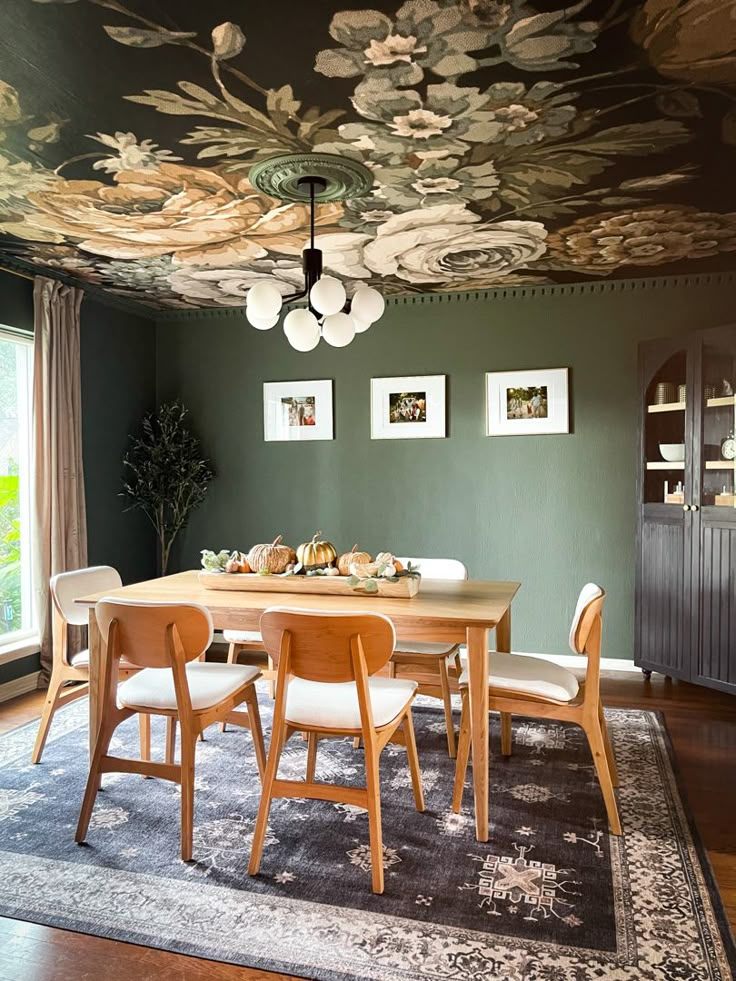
pixel 25 270
pixel 589 288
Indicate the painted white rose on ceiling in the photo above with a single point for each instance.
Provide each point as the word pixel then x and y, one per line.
pixel 451 243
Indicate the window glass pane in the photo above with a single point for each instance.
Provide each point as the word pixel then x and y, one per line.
pixel 16 613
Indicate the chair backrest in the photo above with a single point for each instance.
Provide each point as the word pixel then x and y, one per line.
pixel 589 607
pixel 437 568
pixel 67 587
pixel 143 630
pixel 321 645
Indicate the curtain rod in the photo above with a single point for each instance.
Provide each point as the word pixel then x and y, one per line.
pixel 17 272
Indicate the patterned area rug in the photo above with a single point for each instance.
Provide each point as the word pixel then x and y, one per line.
pixel 551 897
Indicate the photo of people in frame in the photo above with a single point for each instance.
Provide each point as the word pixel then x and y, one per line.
pixel 407 407
pixel 301 410
pixel 527 403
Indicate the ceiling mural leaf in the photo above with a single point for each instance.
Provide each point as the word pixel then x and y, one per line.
pixel 134 37
pixel 510 141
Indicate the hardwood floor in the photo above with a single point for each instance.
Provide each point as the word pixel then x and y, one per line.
pixel 702 724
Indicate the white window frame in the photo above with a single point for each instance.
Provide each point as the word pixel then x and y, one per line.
pixel 18 643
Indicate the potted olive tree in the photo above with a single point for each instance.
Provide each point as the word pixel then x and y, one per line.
pixel 166 475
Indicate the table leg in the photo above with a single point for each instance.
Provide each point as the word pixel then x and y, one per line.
pixel 96 655
pixel 503 644
pixel 477 641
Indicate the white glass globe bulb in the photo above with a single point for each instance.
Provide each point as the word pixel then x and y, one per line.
pixel 367 304
pixel 263 301
pixel 328 295
pixel 360 325
pixel 338 330
pixel 261 323
pixel 302 329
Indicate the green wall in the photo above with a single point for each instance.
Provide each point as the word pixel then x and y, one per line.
pixel 118 386
pixel 551 511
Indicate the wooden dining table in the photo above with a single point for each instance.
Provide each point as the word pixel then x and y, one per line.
pixel 456 612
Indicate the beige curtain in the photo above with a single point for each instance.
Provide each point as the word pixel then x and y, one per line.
pixel 59 513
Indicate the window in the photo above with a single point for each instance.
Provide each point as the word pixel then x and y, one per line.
pixel 16 597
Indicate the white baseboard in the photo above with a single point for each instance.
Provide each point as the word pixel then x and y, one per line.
pixel 19 686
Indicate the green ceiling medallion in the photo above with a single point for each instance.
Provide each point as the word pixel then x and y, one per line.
pixel 291 177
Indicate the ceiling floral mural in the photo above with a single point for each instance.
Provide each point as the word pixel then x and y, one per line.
pixel 510 142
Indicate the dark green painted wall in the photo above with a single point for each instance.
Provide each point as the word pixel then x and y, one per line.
pixel 118 386
pixel 552 511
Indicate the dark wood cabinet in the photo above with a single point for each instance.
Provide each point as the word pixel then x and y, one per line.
pixel 686 542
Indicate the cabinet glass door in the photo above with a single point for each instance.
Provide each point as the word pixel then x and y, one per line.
pixel 719 421
pixel 668 457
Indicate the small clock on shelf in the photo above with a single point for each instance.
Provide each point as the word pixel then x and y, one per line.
pixel 728 447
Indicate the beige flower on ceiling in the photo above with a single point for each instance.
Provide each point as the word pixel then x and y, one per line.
pixel 647 236
pixel 449 246
pixel 197 215
pixel 420 124
pixel 130 154
pixel 393 48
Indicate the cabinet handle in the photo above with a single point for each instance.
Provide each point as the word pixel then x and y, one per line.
pixel 685 507
pixel 693 507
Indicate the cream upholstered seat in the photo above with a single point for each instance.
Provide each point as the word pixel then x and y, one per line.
pixel 243 637
pixel 417 647
pixel 209 684
pixel 165 640
pixel 70 672
pixel 530 675
pixel 327 688
pixel 531 686
pixel 428 663
pixel 335 706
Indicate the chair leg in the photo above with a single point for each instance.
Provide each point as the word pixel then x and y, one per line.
pixel 505 733
pixel 373 786
pixel 144 735
pixel 56 683
pixel 458 664
pixel 232 658
pixel 311 756
pixel 188 748
pixel 610 755
pixel 413 760
pixel 598 751
pixel 264 808
pixel 256 730
pixel 93 780
pixel 272 682
pixel 170 750
pixel 356 742
pixel 463 754
pixel 447 702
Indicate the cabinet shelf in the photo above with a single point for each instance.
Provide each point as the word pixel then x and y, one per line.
pixel 667 407
pixel 723 400
pixel 720 464
pixel 665 465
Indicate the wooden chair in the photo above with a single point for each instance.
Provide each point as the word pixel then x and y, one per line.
pixel 325 688
pixel 70 674
pixel 248 642
pixel 165 640
pixel 534 687
pixel 428 664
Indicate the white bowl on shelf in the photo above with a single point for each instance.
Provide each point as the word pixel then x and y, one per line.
pixel 672 452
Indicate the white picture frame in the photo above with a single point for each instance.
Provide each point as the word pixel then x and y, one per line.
pixel 409 407
pixel 288 408
pixel 527 403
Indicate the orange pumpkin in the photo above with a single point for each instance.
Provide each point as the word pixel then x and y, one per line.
pixel 346 560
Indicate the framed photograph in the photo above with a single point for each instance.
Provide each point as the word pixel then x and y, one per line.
pixel 527 403
pixel 297 410
pixel 409 407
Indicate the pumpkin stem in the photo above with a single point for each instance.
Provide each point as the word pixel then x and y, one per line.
pixel 315 536
pixel 277 541
pixel 354 548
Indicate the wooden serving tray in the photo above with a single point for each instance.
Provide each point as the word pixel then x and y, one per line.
pixel 405 588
